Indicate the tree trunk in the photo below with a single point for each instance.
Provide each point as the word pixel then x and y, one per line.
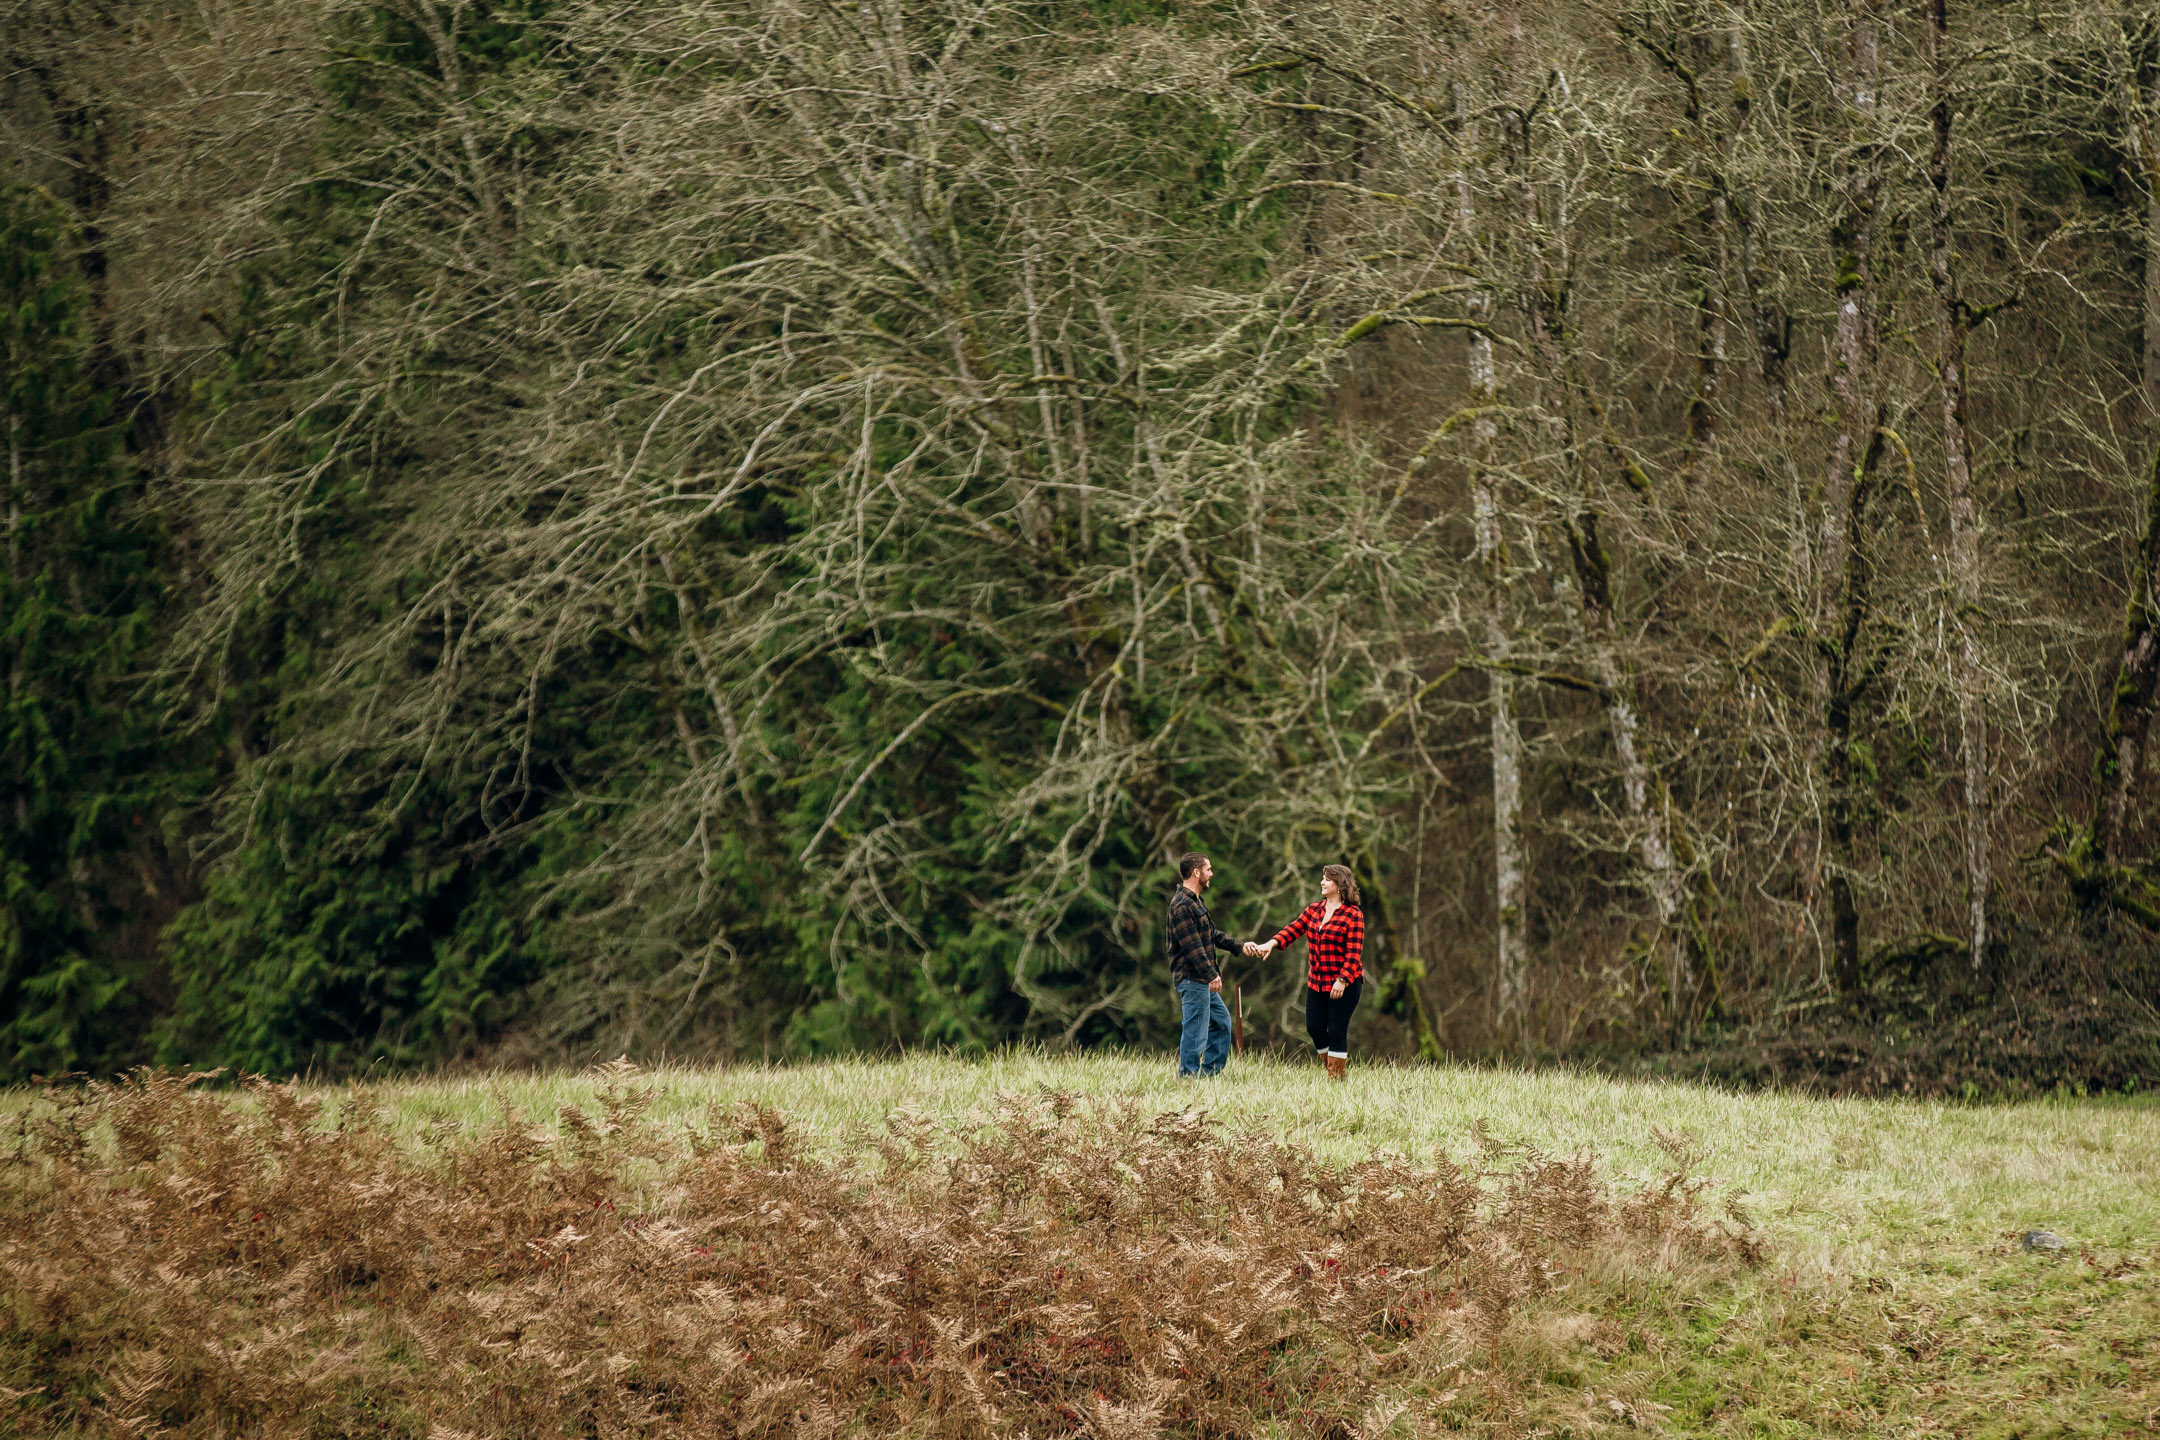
pixel 1512 954
pixel 2152 278
pixel 1509 867
pixel 1953 324
pixel 2137 672
pixel 2092 860
pixel 14 575
pixel 1710 342
pixel 1707 262
pixel 1638 788
pixel 1769 324
pixel 1511 960
pixel 1841 604
pixel 442 39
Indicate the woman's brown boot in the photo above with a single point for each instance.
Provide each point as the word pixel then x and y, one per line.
pixel 1338 1067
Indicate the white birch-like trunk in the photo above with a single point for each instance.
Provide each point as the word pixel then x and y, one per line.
pixel 1644 798
pixel 1509 867
pixel 1644 809
pixel 1511 958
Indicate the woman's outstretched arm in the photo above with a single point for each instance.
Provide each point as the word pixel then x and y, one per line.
pixel 1297 929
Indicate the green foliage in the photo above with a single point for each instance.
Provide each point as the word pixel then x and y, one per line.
pixel 85 772
pixel 338 936
pixel 860 753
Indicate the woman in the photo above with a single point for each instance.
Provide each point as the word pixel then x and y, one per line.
pixel 1334 931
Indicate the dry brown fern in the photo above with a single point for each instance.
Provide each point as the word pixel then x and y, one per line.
pixel 193 1262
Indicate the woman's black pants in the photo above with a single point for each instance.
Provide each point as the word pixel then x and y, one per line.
pixel 1327 1019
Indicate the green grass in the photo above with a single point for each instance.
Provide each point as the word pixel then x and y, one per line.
pixel 1897 1300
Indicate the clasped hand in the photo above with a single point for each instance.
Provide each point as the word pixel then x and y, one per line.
pixel 1256 951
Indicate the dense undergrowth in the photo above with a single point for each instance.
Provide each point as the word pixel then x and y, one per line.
pixel 190 1261
pixel 2058 1014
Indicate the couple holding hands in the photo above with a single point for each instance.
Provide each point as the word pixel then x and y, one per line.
pixel 1334 931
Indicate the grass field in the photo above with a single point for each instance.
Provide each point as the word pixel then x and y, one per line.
pixel 1897 1223
pixel 1895 1299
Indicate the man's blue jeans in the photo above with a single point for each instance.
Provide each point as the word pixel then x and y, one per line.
pixel 1204 1044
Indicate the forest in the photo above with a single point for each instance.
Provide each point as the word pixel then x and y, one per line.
pixel 760 529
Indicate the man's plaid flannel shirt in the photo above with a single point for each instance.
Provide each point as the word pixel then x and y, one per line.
pixel 1337 949
pixel 1192 937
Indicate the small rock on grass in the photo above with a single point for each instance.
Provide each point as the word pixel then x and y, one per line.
pixel 2043 1240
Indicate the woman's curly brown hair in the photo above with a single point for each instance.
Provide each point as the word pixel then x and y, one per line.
pixel 1344 885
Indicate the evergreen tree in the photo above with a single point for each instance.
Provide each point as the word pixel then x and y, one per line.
pixel 79 798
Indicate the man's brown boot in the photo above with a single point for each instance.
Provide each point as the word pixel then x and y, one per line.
pixel 1338 1067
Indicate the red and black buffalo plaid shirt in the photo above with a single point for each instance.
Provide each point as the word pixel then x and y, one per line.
pixel 1336 949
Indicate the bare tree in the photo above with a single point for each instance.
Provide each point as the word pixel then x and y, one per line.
pixel 856 486
pixel 1953 324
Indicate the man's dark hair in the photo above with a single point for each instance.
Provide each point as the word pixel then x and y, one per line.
pixel 1190 861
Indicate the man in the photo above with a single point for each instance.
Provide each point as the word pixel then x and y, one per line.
pixel 1204 1044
